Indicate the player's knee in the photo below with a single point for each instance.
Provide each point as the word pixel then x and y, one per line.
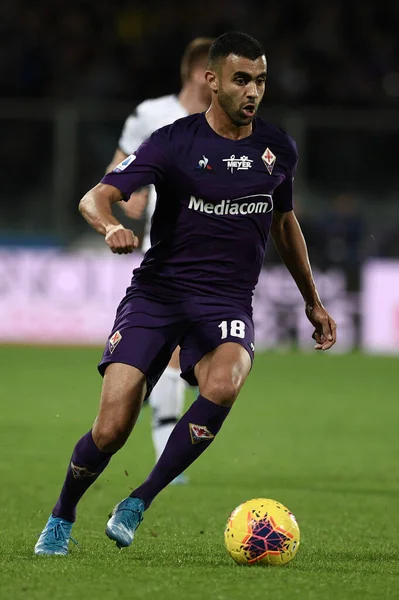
pixel 110 437
pixel 222 388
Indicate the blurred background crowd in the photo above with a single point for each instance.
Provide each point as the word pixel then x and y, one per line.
pixel 72 71
pixel 321 52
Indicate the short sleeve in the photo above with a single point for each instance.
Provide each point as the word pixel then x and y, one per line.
pixel 283 195
pixel 148 165
pixel 134 132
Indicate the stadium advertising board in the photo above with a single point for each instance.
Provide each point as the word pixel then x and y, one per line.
pixel 52 297
pixel 380 306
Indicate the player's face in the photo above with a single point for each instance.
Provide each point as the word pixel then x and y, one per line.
pixel 241 85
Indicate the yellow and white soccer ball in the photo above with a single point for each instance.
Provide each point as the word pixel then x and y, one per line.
pixel 262 531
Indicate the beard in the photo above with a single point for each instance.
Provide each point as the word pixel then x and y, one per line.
pixel 236 115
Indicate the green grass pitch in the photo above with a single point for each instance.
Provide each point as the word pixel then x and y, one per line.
pixel 319 433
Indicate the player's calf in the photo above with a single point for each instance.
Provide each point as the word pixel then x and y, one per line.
pixel 123 391
pixel 194 432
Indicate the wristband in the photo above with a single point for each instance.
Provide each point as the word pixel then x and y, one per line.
pixel 112 230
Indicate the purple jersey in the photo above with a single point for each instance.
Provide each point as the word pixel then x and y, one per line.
pixel 215 200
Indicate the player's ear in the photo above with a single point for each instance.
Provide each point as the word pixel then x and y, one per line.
pixel 212 80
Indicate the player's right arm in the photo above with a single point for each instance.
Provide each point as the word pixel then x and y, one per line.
pixel 137 203
pixel 134 132
pixel 96 208
pixel 118 157
pixel 147 166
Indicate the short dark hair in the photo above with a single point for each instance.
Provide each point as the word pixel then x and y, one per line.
pixel 196 51
pixel 234 42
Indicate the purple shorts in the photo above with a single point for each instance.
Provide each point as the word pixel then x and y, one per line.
pixel 147 331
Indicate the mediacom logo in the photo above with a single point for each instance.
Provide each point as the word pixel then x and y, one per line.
pixel 261 203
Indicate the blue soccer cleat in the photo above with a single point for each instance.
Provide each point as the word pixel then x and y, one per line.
pixel 124 520
pixel 54 538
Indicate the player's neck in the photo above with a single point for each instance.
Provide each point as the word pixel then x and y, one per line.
pixel 221 123
pixel 190 101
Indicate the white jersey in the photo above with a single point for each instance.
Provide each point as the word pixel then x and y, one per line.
pixel 149 116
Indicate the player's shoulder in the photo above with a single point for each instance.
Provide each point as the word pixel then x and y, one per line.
pixel 181 130
pixel 186 124
pixel 276 135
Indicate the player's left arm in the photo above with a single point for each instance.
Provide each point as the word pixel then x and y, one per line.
pixel 291 246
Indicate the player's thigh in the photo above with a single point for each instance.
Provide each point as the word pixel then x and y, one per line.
pixel 218 347
pixel 222 372
pixel 145 335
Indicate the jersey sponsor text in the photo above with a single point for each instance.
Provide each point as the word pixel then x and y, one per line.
pixel 258 204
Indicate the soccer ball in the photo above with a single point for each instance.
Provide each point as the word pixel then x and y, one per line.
pixel 262 531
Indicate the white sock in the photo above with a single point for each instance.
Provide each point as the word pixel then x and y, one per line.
pixel 167 403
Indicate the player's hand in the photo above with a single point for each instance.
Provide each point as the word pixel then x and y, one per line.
pixel 325 333
pixel 120 240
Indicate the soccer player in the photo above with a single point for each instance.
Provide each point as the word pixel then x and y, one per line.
pixel 167 398
pixel 223 180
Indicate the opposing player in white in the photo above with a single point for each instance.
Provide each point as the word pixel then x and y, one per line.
pixel 167 398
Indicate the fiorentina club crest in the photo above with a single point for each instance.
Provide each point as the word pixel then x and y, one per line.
pixel 269 159
pixel 81 472
pixel 114 341
pixel 200 433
